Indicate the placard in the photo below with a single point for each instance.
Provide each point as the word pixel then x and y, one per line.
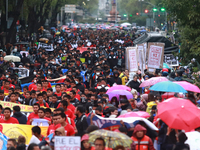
pixel 67 143
pixel 40 122
pixel 141 59
pixel 145 52
pixel 132 61
pixel 171 60
pixel 155 55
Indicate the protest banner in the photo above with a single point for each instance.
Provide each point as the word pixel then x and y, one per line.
pixel 114 123
pixel 15 130
pixel 24 108
pixel 141 59
pixel 47 47
pixel 67 142
pixel 40 122
pixel 3 142
pixel 132 59
pixel 155 56
pixel 145 52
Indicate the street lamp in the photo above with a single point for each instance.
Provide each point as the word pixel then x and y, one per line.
pixel 107 7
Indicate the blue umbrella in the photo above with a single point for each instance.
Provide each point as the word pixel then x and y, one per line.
pixel 166 66
pixel 52 28
pixel 168 86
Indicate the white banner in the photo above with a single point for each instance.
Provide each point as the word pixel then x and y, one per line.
pixel 133 61
pixel 47 47
pixel 67 143
pixel 155 55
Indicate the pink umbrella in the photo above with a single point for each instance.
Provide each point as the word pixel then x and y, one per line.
pixel 118 87
pixel 153 81
pixel 142 114
pixel 188 86
pixel 118 93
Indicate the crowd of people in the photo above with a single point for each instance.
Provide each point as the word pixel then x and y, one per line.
pixel 80 91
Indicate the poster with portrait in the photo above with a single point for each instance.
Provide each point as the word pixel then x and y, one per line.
pixel 141 59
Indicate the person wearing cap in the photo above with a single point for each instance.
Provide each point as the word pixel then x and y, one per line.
pixel 141 141
pixel 85 145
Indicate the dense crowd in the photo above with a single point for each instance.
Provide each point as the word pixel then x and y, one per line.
pixel 80 91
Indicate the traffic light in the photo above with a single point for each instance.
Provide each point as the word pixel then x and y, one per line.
pixel 125 15
pixel 155 9
pixel 146 11
pixel 137 14
pixel 162 9
pixel 131 15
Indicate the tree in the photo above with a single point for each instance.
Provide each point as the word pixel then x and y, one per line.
pixel 187 14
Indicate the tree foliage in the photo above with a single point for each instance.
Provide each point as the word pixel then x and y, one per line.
pixel 187 14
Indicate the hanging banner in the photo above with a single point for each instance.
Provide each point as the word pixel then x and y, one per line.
pixel 15 130
pixel 155 56
pixel 132 59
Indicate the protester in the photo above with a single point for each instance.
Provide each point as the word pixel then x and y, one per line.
pixel 7 117
pixel 22 119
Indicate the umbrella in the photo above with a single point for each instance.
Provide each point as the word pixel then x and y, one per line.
pixel 12 58
pixel 168 86
pixel 169 95
pixel 126 24
pixel 119 87
pixel 142 114
pixel 188 86
pixel 118 93
pixel 166 66
pixel 179 113
pixel 57 33
pixel 193 140
pixel 111 138
pixel 52 28
pixel 152 81
pixel 43 39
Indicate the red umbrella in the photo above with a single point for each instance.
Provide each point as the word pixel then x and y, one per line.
pixel 179 114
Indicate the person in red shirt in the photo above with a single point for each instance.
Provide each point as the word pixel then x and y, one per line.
pixel 34 114
pixel 7 118
pixel 39 86
pixel 44 85
pixel 13 98
pixel 70 106
pixel 41 102
pixel 1 115
pixel 68 112
pixel 6 86
pixel 52 127
pixel 37 132
pixel 33 86
pixel 41 115
pixel 69 130
pixel 58 90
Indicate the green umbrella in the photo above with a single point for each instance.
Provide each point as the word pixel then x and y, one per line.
pixel 166 66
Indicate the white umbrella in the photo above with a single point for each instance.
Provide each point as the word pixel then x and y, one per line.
pixel 193 140
pixel 126 24
pixel 12 58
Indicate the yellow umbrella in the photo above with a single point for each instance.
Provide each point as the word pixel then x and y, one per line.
pixel 57 33
pixel 111 138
